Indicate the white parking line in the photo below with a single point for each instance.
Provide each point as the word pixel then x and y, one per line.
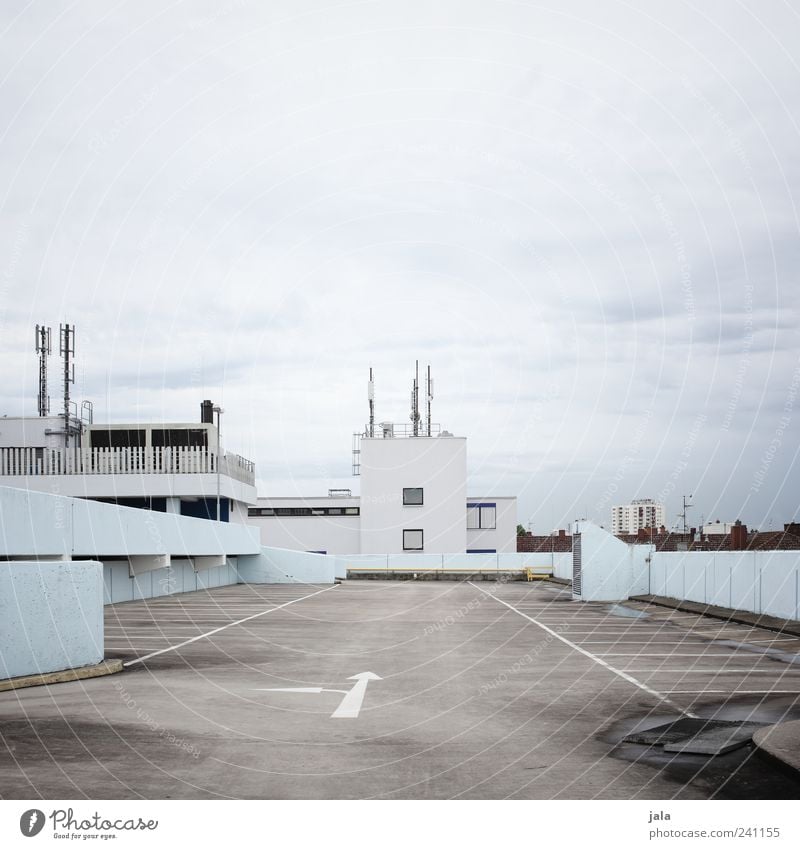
pixel 734 692
pixel 629 678
pixel 223 627
pixel 676 654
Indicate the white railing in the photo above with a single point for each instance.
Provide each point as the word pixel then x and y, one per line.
pixel 123 461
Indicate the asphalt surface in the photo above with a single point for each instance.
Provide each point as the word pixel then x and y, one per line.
pixel 482 691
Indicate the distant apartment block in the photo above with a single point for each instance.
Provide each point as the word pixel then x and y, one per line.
pixel 640 513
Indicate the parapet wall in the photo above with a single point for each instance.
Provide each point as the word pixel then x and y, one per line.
pixel 51 616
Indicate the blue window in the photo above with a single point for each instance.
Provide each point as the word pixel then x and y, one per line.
pixel 481 515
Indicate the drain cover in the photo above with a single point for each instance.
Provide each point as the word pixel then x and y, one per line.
pixel 697 736
pixel 716 741
pixel 680 729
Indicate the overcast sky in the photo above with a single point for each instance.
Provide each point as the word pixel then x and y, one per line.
pixel 582 214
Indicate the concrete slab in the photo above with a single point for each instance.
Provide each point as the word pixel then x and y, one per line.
pixel 716 740
pixel 473 701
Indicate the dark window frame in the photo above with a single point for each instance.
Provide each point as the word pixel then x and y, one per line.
pixel 419 531
pixel 420 490
pixel 301 512
pixel 480 506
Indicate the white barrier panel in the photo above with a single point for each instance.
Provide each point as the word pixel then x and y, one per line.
pixel 414 562
pixel 51 616
pixel 765 582
pixel 364 562
pixel 283 566
pixel 469 562
pixel 39 524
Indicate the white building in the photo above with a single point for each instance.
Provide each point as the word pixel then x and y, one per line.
pixel 413 499
pixel 640 513
pixel 716 528
pixel 169 468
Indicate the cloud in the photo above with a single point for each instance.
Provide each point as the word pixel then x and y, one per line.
pixel 581 216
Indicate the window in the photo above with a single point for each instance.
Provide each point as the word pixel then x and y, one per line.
pixel 412 540
pixel 118 438
pixel 180 438
pixel 303 511
pixel 481 516
pixel 412 496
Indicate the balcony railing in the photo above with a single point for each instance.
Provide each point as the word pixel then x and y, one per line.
pixel 123 461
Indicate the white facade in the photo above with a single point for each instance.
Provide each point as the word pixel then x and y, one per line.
pixel 170 468
pixel 718 528
pixel 640 513
pixel 413 492
pixel 323 525
pixel 492 524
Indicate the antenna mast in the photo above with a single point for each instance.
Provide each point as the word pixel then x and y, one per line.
pixel 43 349
pixel 67 350
pixel 415 403
pixel 686 504
pixel 371 399
pixel 429 398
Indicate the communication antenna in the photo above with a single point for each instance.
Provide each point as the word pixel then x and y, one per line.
pixel 415 402
pixel 371 399
pixel 429 398
pixel 43 348
pixel 686 505
pixel 67 350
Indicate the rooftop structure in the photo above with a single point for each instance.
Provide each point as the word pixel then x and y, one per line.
pixel 413 497
pixel 168 467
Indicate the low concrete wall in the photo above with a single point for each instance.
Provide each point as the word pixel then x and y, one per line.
pixel 502 562
pixel 166 553
pixel 763 582
pixel 283 566
pixel 51 616
pixel 179 577
pixel 36 524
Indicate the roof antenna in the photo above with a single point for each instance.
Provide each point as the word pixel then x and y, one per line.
pixel 429 397
pixel 415 403
pixel 371 399
pixel 67 350
pixel 43 348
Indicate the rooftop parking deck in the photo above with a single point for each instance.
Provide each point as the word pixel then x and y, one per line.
pixel 477 691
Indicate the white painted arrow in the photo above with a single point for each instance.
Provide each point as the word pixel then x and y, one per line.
pixel 351 703
pixel 298 690
pixel 349 707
